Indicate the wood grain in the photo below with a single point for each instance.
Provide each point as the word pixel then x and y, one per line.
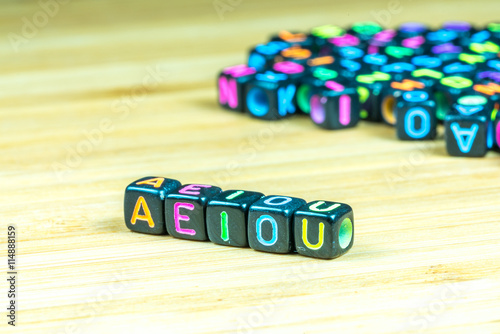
pixel 426 256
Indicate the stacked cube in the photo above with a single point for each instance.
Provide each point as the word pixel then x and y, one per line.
pixel 412 78
pixel 276 224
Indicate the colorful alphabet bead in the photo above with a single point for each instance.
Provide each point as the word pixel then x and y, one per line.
pixel 185 211
pixel 227 217
pixel 323 229
pixel 239 218
pixel 270 223
pixel 338 76
pixel 145 202
pixel 469 127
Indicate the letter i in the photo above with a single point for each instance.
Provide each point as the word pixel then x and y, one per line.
pixel 224 226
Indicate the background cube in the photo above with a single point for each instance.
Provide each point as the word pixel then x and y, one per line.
pixel 231 84
pixel 391 93
pixel 271 96
pixel 416 116
pixel 370 89
pixel 262 56
pixel 468 127
pixel 335 106
pixel 227 217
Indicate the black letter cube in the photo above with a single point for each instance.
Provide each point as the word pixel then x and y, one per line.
pixel 270 223
pixel 227 217
pixel 144 204
pixel 185 211
pixel 323 229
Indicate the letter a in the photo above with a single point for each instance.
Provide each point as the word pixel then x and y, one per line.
pixel 156 182
pixel 141 202
pixel 464 136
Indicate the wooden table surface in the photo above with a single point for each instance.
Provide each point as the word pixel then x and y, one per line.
pixel 100 93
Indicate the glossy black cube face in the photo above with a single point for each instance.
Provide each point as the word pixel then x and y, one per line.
pixel 144 204
pixel 448 90
pixel 416 116
pixel 185 211
pixel 335 107
pixel 469 131
pixel 271 96
pixel 231 86
pixel 322 34
pixel 295 53
pixel 323 229
pixel 270 223
pixel 365 31
pixel 393 92
pixel 294 38
pixel 227 217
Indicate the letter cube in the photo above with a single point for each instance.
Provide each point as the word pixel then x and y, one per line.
pixel 399 70
pixel 430 77
pixel 294 38
pixel 296 54
pixel 458 68
pixel 445 51
pixel 441 37
pixel 309 82
pixel 391 93
pixel 270 223
pixel 380 40
pixel 262 57
pixel 448 90
pixel 370 89
pixel 411 29
pixel 373 62
pixel 227 217
pixel 397 55
pixel 322 34
pixel 185 211
pixel 416 116
pixel 494 29
pixel 497 128
pixel 463 29
pixel 323 229
pixel 365 31
pixel 231 84
pixel 144 204
pixel 427 63
pixel 335 106
pixel 271 96
pixel 349 69
pixel 468 127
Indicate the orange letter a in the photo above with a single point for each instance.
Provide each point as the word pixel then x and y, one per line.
pixel 141 202
pixel 156 182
